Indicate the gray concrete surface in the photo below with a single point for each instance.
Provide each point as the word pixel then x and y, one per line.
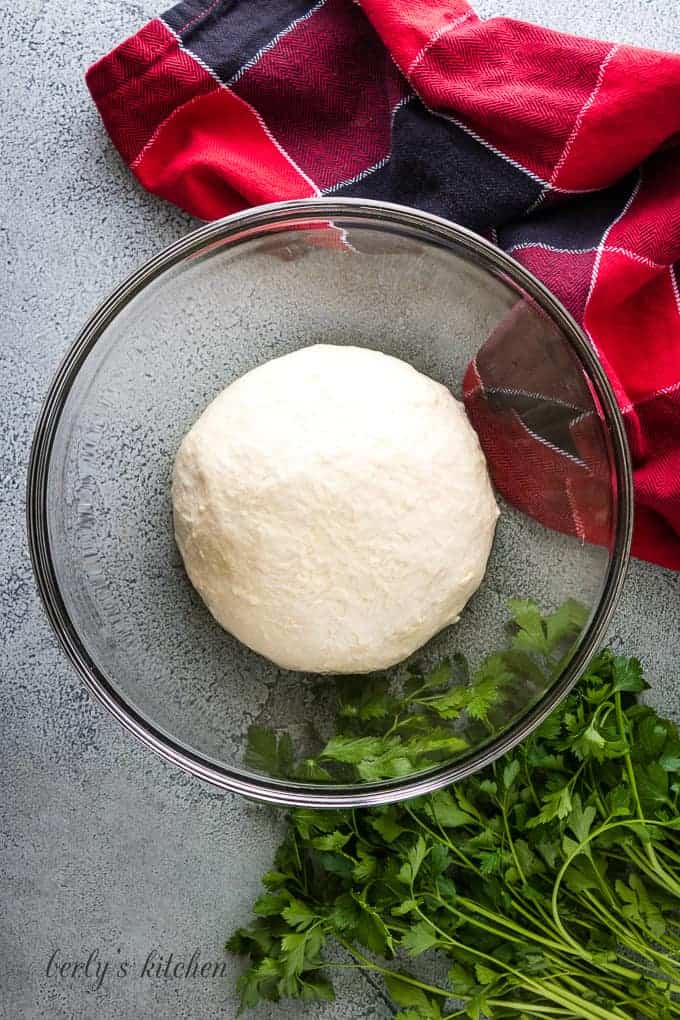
pixel 105 848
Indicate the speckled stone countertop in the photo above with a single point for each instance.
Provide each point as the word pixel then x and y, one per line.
pixel 105 849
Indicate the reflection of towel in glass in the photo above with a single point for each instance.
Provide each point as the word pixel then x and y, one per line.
pixel 566 151
pixel 545 446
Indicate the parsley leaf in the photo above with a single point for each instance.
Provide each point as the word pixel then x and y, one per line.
pixel 628 675
pixel 265 752
pixel 531 631
pixel 419 939
pixel 406 994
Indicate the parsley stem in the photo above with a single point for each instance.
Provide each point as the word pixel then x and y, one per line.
pixel 398 721
pixel 298 858
pixel 530 784
pixel 521 1007
pixel 506 825
pixel 368 964
pixel 596 793
pixel 667 852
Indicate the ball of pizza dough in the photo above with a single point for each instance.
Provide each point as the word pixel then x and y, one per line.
pixel 333 509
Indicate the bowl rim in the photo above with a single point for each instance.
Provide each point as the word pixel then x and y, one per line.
pixel 279 215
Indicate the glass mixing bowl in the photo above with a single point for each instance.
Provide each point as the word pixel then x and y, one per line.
pixel 215 304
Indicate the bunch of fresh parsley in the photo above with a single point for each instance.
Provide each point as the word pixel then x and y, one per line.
pixel 551 880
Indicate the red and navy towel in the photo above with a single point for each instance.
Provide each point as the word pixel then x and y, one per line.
pixel 566 151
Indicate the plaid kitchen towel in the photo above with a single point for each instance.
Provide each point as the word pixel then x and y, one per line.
pixel 566 151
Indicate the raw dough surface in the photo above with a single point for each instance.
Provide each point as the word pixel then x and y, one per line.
pixel 333 509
